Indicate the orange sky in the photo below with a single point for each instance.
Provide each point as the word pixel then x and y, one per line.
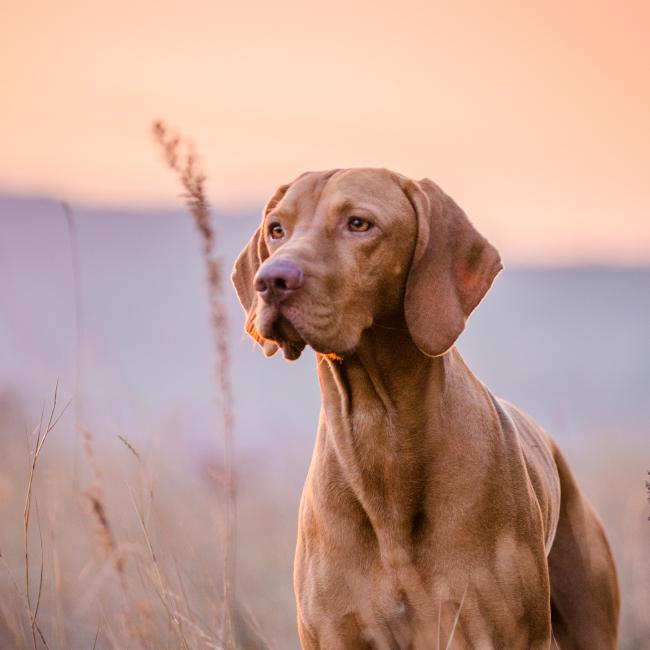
pixel 534 115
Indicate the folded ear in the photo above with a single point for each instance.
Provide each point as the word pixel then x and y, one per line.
pixel 452 269
pixel 243 274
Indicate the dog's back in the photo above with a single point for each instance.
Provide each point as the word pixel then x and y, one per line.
pixel 584 586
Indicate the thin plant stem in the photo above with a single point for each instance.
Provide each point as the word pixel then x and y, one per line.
pixel 181 158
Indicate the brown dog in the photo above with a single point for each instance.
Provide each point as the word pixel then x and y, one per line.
pixel 434 514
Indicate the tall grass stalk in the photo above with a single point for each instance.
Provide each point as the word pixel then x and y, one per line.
pixel 180 157
pixel 41 436
pixel 71 223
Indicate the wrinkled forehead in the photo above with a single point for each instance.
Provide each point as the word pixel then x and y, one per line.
pixel 372 189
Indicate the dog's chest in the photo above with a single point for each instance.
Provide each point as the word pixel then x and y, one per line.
pixel 366 606
pixel 386 457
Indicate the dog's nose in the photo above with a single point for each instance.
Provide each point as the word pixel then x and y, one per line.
pixel 277 279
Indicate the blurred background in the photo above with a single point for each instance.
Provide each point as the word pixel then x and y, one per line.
pixel 533 117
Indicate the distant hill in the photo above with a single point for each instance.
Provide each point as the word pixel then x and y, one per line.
pixel 570 345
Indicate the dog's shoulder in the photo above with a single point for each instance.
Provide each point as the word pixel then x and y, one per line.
pixel 537 450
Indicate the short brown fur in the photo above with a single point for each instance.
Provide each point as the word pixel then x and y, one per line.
pixel 434 514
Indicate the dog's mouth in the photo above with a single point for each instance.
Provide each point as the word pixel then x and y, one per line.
pixel 292 329
pixel 276 327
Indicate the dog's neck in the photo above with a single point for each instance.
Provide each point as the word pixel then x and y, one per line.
pixel 372 439
pixel 387 372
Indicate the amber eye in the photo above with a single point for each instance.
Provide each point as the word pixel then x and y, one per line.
pixel 276 231
pixel 357 224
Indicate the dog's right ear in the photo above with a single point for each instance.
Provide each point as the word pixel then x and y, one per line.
pixel 453 267
pixel 244 270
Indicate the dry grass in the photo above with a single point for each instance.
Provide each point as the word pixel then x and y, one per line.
pixel 131 597
pixel 41 436
pixel 109 567
pixel 181 158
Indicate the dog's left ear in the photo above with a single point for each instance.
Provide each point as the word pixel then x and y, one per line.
pixel 244 270
pixel 453 267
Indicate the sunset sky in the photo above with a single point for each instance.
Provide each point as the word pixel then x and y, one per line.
pixel 534 116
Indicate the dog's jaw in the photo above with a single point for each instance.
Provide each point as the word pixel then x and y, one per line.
pixel 275 327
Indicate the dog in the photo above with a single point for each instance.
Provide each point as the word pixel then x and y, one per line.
pixel 433 514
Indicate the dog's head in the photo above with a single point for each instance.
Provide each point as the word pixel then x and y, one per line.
pixel 341 250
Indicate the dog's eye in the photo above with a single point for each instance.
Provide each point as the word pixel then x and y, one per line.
pixel 357 224
pixel 276 231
